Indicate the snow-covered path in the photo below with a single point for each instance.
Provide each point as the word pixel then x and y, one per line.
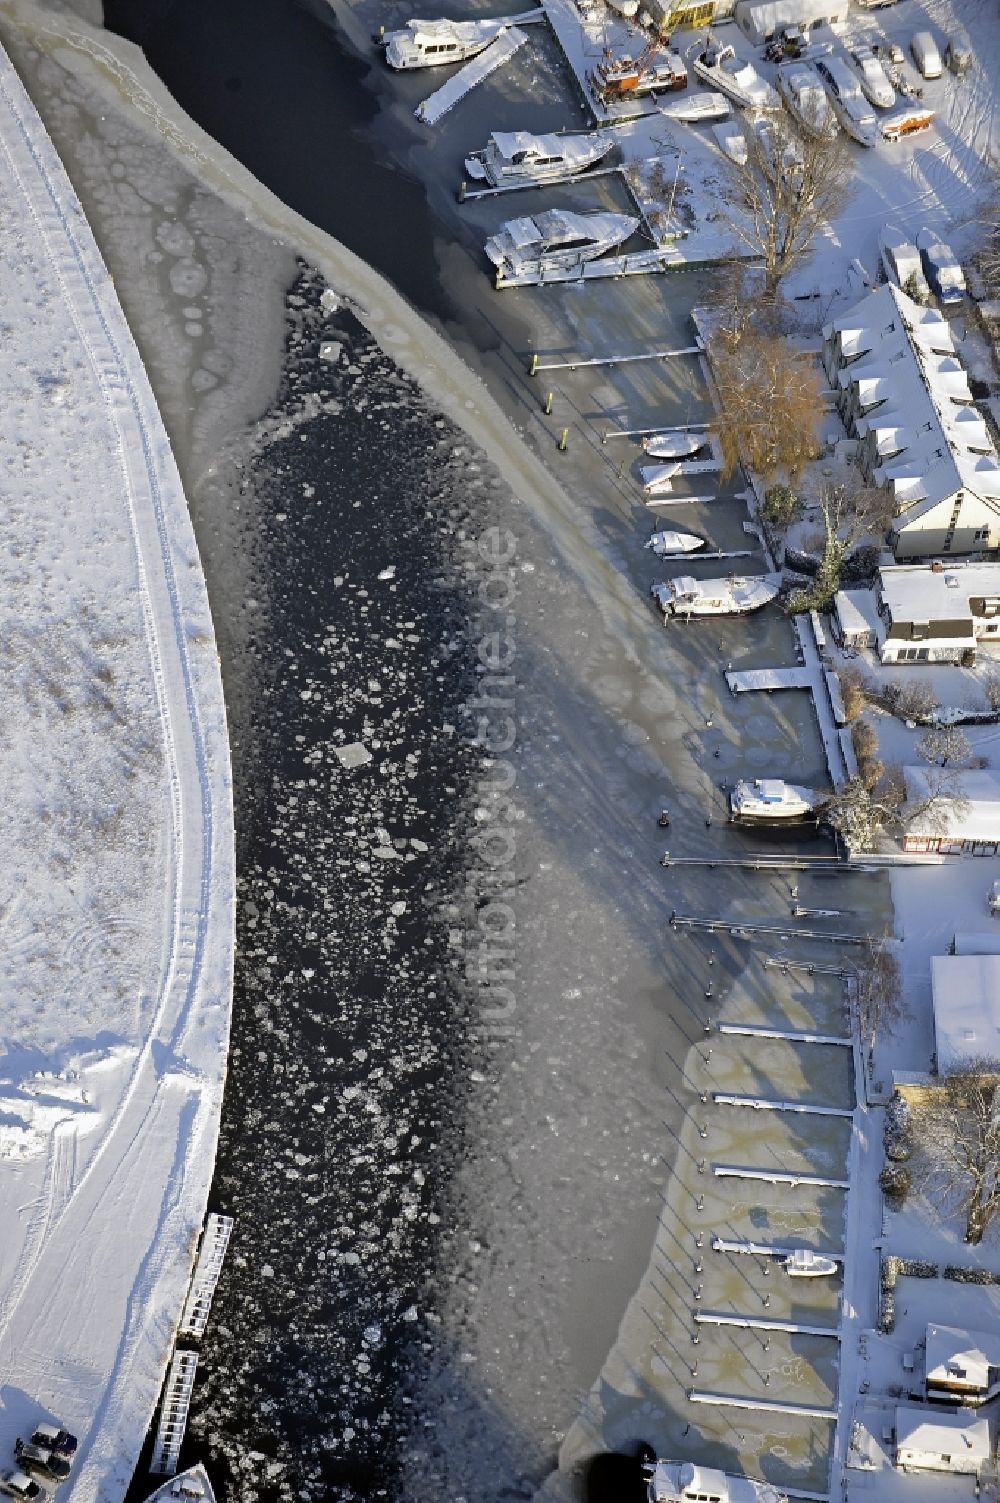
pixel 116 897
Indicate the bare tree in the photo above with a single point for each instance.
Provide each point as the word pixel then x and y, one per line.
pixel 942 744
pixel 858 814
pixel 957 1128
pixel 941 803
pixel 991 688
pixel 848 516
pixel 790 185
pixel 769 404
pixel 878 1002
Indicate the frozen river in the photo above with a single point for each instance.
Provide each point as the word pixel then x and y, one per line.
pixel 465 1119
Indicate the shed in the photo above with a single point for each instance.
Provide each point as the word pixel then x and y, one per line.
pixel 761 20
pixel 966 1000
pixel 966 825
pixel 933 1441
pixel 856 615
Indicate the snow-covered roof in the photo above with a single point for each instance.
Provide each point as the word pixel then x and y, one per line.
pixel 916 592
pixel 976 817
pixel 857 612
pixel 909 367
pixel 938 1433
pixel 957 1356
pixel 979 942
pixel 966 993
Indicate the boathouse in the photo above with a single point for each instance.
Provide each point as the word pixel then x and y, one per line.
pixel 963 820
pixel 933 1441
pixel 904 394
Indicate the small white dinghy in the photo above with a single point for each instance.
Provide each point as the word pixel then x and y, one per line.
pixel 655 479
pixel 666 542
pixel 803 1263
pixel 674 445
pixel 192 1486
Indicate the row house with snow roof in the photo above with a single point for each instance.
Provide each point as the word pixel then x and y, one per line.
pixel 904 395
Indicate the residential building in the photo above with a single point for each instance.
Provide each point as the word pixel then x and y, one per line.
pixel 904 394
pixel 961 1367
pixel 933 1441
pixel 964 821
pixel 965 991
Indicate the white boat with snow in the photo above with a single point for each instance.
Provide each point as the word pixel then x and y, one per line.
pixel 852 109
pixel 720 68
pixel 778 152
pixel 657 479
pixel 872 77
pixel 803 1263
pixel 684 1482
pixel 517 159
pixel 191 1486
pixel 429 44
pixel 697 108
pixel 674 445
pixel 666 542
pixel 807 101
pixel 556 238
pixel 734 596
pixel 771 801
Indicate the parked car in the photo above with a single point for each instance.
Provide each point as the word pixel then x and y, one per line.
pixel 54 1439
pixel 42 1462
pixel 20 1485
pixel 958 53
pixel 926 54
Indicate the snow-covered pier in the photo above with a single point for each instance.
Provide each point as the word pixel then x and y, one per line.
pixel 762 1104
pixel 786 1035
pixel 746 680
pixel 632 264
pixel 467 194
pixel 778 1176
pixel 437 105
pixel 749 931
pixel 613 360
pixel 766 1249
pixel 773 1406
pixel 763 1323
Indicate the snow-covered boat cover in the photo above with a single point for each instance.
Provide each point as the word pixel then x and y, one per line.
pixel 807 100
pixel 683 1481
pixel 673 445
pixel 191 1486
pixel 521 241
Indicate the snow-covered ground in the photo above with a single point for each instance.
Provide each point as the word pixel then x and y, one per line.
pixel 117 887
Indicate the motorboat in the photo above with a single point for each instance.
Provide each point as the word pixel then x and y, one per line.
pixel 697 108
pixel 941 268
pixel 734 596
pixel 665 542
pixel 686 1482
pixel 720 68
pixel 732 141
pixel 191 1486
pixel 803 1263
pixel 621 76
pixel 679 445
pixel 771 801
pixel 901 263
pixel 656 479
pixel 518 159
pixel 852 109
pixel 872 77
pixel 429 44
pixel 556 238
pixel 807 100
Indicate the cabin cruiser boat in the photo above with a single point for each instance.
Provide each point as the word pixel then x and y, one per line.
pixel 734 596
pixel 684 1482
pixel 667 542
pixel 807 100
pixel 771 801
pixel 621 77
pixel 850 105
pixel 901 263
pixel 191 1486
pixel 697 108
pixel 941 268
pixel 517 158
pixel 872 77
pixel 720 68
pixel 428 44
pixel 803 1263
pixel 680 445
pixel 656 479
pixel 556 238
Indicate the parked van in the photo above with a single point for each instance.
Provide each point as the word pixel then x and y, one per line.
pixel 926 54
pixel 958 53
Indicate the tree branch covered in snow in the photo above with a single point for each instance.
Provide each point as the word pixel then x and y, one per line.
pixel 957 1127
pixel 878 1002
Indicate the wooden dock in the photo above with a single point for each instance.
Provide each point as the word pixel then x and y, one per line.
pixel 767 1249
pixel 434 108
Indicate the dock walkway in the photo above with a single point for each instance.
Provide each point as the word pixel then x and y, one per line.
pixel 431 110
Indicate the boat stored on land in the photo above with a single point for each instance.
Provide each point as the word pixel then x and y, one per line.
pixel 666 542
pixel 657 478
pixel 907 122
pixel 191 1486
pixel 518 158
pixel 720 68
pixel 684 1482
pixel 850 105
pixel 697 108
pixel 872 77
pixel 556 239
pixel 624 77
pixel 674 445
pixel 807 100
pixel 771 801
pixel 429 44
pixel 803 1263
pixel 735 596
